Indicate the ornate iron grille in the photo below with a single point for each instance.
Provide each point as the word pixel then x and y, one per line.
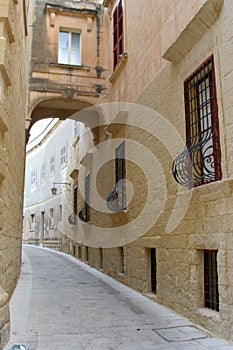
pixel 200 162
pixel 116 200
pixel 153 270
pixel 211 279
pixel 84 213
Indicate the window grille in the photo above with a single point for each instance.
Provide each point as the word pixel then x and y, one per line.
pixel 87 197
pixel 116 200
pixel 211 280
pixel 75 204
pixel 121 259
pixel 118 33
pixel 200 162
pixel 120 174
pixel 153 270
pixel 84 213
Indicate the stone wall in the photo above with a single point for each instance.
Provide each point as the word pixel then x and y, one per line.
pixel 13 102
pixel 174 42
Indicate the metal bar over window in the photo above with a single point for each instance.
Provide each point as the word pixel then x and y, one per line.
pixel 200 162
pixel 211 280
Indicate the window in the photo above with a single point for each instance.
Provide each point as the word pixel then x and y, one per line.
pixel 52 164
pixel 43 173
pixel 76 129
pixel 121 260
pixel 51 219
pixel 87 198
pixel 202 131
pixel 118 34
pixel 211 280
pixel 63 156
pixel 101 258
pixel 33 178
pixel 86 254
pixel 69 48
pixel 120 174
pixel 60 212
pixel 42 224
pixel 153 269
pixel 32 222
pixel 75 204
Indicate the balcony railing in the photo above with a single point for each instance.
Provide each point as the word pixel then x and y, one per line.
pixel 197 164
pixel 83 215
pixel 116 200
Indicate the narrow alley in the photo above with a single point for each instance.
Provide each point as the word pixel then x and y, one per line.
pixel 61 303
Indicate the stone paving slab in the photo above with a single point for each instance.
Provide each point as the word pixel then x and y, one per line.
pixel 61 303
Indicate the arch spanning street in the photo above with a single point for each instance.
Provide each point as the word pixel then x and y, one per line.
pixel 61 303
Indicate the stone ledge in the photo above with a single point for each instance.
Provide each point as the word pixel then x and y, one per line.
pixel 194 30
pixel 119 67
pixel 209 314
pixel 6 18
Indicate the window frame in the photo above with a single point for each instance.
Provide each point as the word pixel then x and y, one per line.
pixel 63 154
pixel 118 32
pixel 211 290
pixel 70 32
pixel 196 112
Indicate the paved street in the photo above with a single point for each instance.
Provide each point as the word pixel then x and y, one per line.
pixel 61 303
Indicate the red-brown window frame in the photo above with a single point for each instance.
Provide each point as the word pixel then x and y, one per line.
pixel 118 33
pixel 214 116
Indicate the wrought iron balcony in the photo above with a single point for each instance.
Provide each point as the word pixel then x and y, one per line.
pixel 116 199
pixel 196 165
pixel 72 219
pixel 83 215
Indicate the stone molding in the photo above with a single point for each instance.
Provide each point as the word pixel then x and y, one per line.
pixel 194 30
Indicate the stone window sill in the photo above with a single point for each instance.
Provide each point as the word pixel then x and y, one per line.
pixel 209 314
pixel 119 67
pixel 69 66
pixel 151 296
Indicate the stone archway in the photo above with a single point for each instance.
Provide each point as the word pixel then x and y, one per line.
pixel 57 107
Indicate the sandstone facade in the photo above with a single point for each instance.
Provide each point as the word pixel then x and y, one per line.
pixel 13 103
pixel 159 240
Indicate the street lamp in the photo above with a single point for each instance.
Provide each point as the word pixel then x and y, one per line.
pixel 54 189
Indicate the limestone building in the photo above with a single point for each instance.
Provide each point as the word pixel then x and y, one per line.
pixel 13 103
pixel 151 182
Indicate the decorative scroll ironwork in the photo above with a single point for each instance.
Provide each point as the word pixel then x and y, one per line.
pixel 112 201
pixel 116 199
pixel 83 216
pixel 196 164
pixel 72 219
